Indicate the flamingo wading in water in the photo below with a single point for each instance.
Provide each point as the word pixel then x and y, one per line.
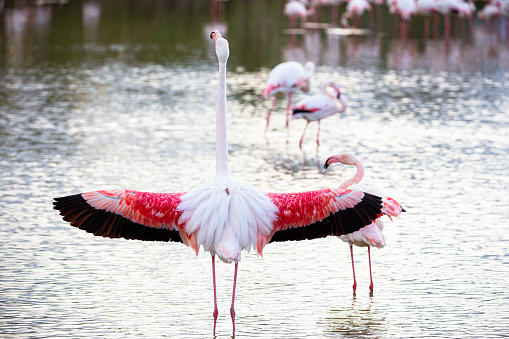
pixel 287 78
pixel 319 106
pixel 223 215
pixel 370 235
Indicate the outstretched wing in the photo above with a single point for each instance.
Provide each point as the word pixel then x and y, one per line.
pixel 318 214
pixel 124 214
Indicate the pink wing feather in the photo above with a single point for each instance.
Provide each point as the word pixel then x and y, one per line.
pixel 318 214
pixel 126 214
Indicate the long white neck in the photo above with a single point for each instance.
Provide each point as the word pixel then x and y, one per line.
pixel 359 174
pixel 221 133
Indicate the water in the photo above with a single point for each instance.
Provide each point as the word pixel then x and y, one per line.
pixel 97 95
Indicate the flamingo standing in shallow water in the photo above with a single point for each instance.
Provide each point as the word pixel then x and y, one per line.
pixel 287 78
pixel 370 235
pixel 319 106
pixel 223 215
pixel 296 10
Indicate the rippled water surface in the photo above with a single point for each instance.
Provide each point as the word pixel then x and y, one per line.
pixel 102 95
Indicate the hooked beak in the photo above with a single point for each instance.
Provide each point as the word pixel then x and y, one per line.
pixel 330 161
pixel 214 35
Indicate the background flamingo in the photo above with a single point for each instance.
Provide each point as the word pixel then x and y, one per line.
pixel 223 215
pixel 355 9
pixel 318 107
pixel 287 78
pixel 370 235
pixel 296 10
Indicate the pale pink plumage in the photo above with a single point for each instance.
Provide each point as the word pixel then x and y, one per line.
pixel 287 78
pixel 224 216
pixel 318 107
pixel 370 235
pixel 355 9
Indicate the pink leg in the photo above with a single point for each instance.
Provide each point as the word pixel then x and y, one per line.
pixel 370 275
pixel 270 112
pixel 426 27
pixel 216 312
pixel 302 137
pixel 232 309
pixel 353 270
pixel 318 135
pixel 288 111
pixel 447 28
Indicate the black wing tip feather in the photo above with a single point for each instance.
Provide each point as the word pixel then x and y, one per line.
pixel 75 210
pixel 336 224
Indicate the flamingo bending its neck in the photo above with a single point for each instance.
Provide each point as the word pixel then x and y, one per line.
pixel 371 235
pixel 319 106
pixel 224 216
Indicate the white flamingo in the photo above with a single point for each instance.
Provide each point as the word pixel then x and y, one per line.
pixel 371 235
pixel 223 215
pixel 287 78
pixel 320 106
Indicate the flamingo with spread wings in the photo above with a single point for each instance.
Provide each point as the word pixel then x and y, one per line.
pixel 370 235
pixel 223 215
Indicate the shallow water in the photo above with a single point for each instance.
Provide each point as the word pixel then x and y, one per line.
pixel 100 96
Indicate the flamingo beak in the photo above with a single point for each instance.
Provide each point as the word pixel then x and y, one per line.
pixel 330 161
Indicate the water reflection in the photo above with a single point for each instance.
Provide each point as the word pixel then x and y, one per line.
pixel 358 321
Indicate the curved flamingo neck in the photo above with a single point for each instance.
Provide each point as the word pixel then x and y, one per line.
pixel 359 174
pixel 221 131
pixel 326 92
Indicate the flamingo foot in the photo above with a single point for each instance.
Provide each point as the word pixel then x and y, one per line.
pixel 232 313
pixel 216 313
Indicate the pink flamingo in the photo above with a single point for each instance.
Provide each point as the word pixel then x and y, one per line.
pixel 287 78
pixel 355 9
pixel 370 235
pixel 319 106
pixel 296 10
pixel 223 215
pixel 426 8
pixel 405 9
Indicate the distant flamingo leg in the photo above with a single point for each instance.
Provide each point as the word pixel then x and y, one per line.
pixel 353 270
pixel 318 135
pixel 288 111
pixel 216 312
pixel 232 309
pixel 370 275
pixel 302 137
pixel 270 112
pixel 426 27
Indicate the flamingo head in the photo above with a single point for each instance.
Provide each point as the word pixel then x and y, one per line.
pixel 344 158
pixel 222 48
pixel 309 68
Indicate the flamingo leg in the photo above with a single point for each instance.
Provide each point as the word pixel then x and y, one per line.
pixel 353 270
pixel 288 112
pixel 318 135
pixel 302 137
pixel 270 112
pixel 370 275
pixel 232 309
pixel 216 312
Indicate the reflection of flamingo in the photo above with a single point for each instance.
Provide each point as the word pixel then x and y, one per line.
pixel 319 106
pixel 370 235
pixel 223 215
pixel 287 78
